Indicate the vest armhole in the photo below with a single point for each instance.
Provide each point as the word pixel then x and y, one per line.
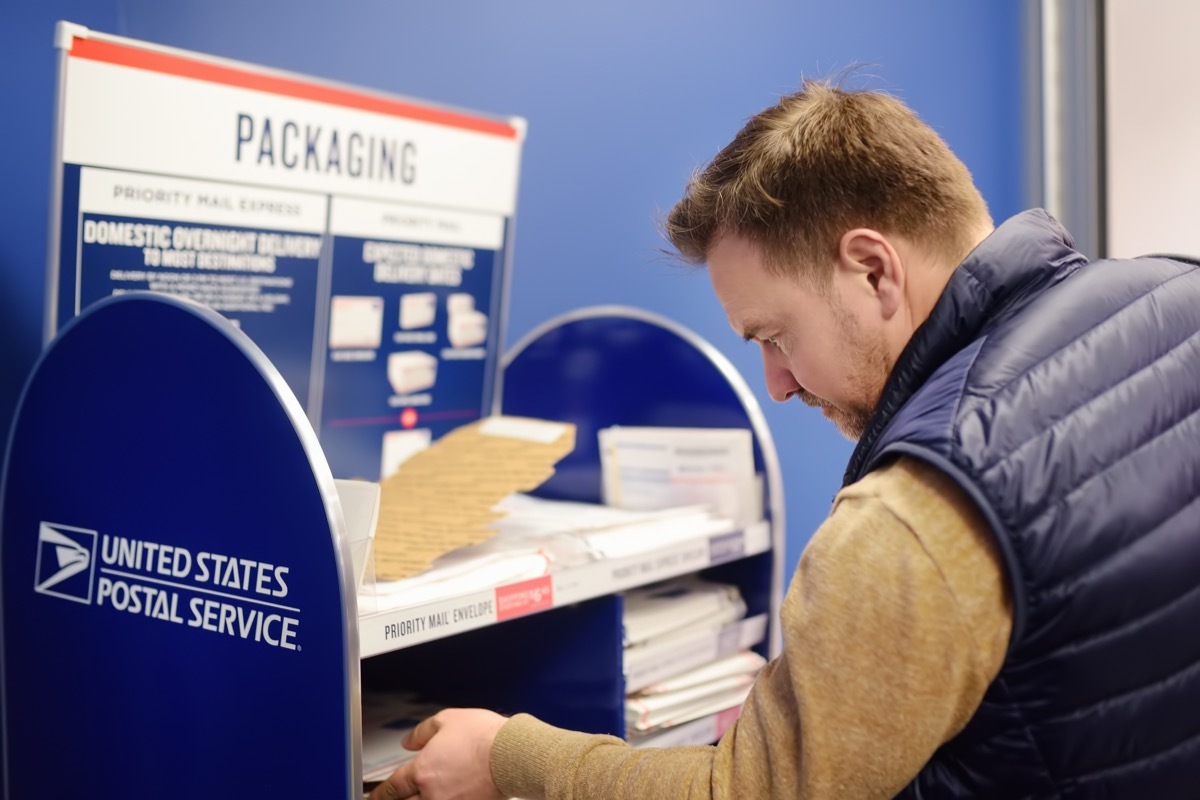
pixel 999 534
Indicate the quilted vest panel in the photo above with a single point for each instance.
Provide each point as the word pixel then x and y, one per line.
pixel 1064 398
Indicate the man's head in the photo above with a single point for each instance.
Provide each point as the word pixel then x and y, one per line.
pixel 830 225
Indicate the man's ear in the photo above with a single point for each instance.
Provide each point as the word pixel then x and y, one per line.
pixel 868 263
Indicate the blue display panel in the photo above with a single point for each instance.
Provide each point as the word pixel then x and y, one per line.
pixel 251 254
pixel 413 332
pixel 265 282
pixel 171 570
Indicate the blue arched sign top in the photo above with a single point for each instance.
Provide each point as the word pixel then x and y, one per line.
pixel 613 365
pixel 175 619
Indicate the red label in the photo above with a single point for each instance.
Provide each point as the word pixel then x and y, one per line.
pixel 526 597
pixel 726 718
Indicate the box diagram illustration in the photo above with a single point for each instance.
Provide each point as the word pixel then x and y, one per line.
pixel 417 310
pixel 459 302
pixel 411 371
pixel 467 329
pixel 356 322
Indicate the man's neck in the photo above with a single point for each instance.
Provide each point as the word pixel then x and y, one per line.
pixel 934 274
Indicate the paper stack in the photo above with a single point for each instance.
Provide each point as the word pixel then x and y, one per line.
pixel 536 537
pixel 647 468
pixel 388 717
pixel 715 687
pixel 662 624
pixel 674 608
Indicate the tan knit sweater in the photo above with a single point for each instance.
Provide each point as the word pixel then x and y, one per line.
pixel 896 621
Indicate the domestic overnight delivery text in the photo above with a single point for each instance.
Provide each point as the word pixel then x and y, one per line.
pixel 146 578
pixel 185 246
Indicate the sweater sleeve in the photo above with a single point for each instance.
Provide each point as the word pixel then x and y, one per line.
pixel 896 622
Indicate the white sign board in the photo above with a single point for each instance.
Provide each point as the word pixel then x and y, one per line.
pixel 344 230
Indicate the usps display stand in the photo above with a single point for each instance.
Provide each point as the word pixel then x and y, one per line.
pixel 176 607
pixel 179 614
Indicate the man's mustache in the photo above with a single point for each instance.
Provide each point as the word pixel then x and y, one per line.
pixel 810 399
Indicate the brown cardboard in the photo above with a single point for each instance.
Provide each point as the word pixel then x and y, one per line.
pixel 444 497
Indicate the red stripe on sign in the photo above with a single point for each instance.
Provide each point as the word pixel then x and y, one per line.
pixel 526 597
pixel 109 52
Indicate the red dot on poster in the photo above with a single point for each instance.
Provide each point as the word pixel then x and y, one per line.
pixel 408 417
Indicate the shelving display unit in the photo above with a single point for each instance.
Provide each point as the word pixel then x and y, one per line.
pixel 177 593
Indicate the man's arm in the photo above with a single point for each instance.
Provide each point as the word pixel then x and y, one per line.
pixel 896 622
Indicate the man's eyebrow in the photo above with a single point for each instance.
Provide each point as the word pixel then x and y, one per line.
pixel 750 331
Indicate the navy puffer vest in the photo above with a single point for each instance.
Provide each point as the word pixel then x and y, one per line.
pixel 1064 397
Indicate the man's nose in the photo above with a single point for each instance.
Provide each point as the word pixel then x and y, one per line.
pixel 781 384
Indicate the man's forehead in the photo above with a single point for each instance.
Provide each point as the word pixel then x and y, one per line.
pixel 733 247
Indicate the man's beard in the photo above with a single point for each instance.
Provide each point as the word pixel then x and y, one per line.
pixel 867 376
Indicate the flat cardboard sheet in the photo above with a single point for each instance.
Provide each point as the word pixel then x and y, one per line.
pixel 445 497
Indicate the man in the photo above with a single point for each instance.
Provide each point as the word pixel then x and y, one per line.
pixel 1003 600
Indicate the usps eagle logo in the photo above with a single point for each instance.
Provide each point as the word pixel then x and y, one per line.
pixel 65 559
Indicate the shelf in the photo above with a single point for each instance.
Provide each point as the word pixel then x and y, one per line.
pixel 395 629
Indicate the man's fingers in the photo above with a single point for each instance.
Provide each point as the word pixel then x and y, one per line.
pixel 421 734
pixel 400 784
pixel 403 782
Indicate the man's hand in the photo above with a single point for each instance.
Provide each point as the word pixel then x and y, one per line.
pixel 454 762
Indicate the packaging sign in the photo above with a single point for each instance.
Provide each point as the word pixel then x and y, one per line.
pixel 359 239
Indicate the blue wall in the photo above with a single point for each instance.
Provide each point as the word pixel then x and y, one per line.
pixel 28 66
pixel 624 99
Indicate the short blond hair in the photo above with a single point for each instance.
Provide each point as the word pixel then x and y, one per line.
pixel 823 161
